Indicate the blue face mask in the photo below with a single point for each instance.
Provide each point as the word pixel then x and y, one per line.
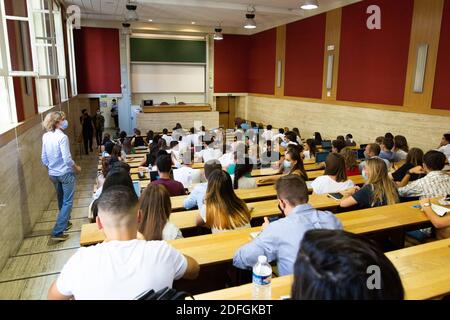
pixel 64 125
pixel 287 164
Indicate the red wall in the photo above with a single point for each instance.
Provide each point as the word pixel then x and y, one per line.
pixel 373 63
pixel 441 94
pixel 262 55
pixel 230 64
pixel 305 42
pixel 97 54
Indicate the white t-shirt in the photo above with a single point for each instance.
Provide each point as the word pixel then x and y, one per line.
pixel 209 154
pixel 167 138
pixel 226 159
pixel 267 135
pixel 307 154
pixel 171 232
pixel 445 150
pixel 182 175
pixel 245 182
pixel 324 184
pixel 120 270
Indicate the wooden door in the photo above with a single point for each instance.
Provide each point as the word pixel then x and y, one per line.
pixel 226 107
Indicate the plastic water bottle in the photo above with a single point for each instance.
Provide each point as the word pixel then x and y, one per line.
pixel 189 179
pixel 262 276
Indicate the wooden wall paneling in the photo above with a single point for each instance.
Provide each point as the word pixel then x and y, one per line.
pixel 280 56
pixel 332 38
pixel 426 28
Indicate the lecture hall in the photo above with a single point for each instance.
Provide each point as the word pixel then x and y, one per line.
pixel 225 150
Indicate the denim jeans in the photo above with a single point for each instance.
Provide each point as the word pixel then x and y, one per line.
pixel 65 189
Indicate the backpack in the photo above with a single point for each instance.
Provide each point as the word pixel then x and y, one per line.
pixel 163 294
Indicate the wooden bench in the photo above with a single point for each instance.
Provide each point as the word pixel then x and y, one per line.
pixel 424 270
pixel 90 234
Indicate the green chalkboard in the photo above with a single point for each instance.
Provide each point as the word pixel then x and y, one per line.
pixel 162 50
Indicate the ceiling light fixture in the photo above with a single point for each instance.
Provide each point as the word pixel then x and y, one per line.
pixel 150 20
pixel 250 18
pixel 193 22
pixel 131 14
pixel 218 33
pixel 310 5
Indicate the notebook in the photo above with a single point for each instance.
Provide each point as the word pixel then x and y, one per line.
pixel 439 210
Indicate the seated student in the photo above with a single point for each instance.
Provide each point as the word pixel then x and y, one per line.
pixel 436 183
pixel 335 178
pixel 116 154
pixel 127 147
pixel 238 155
pixel 270 154
pixel 107 148
pixel 400 148
pixel 101 175
pixel 379 140
pixel 116 176
pixel 210 152
pixel 280 134
pixel 137 140
pixel 106 139
pixel 174 151
pixel 227 158
pixel 280 240
pixel 292 164
pixel 372 151
pixel 351 165
pixel 401 176
pixel 166 137
pixel 386 150
pixel 378 190
pixel 122 267
pixel 268 133
pixel 196 197
pixel 186 174
pixel 164 165
pixel 442 224
pixel 444 146
pixel 155 209
pixel 389 135
pixel 222 210
pixel 318 138
pixel 310 149
pixel 299 137
pixel 337 146
pixel 289 138
pixel 334 264
pixel 149 138
pixel 349 142
pixel 242 177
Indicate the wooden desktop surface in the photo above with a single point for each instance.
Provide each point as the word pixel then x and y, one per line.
pixel 176 108
pixel 423 269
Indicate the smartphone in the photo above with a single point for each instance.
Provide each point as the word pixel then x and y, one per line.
pixel 336 196
pixel 272 219
pixel 137 188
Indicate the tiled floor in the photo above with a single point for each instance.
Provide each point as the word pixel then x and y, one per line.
pixel 30 272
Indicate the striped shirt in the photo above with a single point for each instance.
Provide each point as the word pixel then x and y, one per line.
pixel 434 184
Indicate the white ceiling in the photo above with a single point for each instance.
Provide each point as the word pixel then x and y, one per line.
pixel 205 13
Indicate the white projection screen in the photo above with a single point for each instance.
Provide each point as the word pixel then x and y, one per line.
pixel 163 78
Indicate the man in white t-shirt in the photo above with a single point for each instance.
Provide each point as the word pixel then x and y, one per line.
pixel 122 267
pixel 166 136
pixel 209 153
pixel 185 174
pixel 268 133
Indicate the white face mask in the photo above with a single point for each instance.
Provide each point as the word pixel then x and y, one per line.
pixel 287 164
pixel 364 175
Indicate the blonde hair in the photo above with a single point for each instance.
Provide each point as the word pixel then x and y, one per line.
pixel 224 210
pixel 383 187
pixel 52 119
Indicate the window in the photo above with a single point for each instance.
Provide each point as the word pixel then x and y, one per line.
pixel 49 43
pixel 71 54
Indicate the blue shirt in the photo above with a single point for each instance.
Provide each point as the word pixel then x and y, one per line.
pixel 196 197
pixel 56 153
pixel 280 241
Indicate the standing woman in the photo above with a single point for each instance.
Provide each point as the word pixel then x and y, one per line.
pixel 61 169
